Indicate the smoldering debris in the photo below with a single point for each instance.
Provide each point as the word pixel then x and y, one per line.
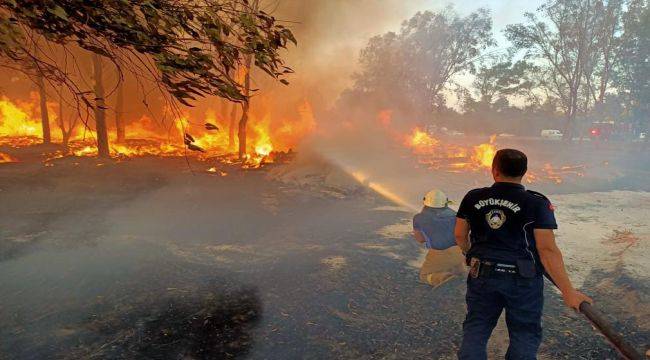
pixel 316 174
pixel 213 320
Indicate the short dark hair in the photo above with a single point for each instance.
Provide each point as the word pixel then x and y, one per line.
pixel 510 162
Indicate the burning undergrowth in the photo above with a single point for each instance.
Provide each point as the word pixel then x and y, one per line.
pixel 449 156
pixel 206 136
pixel 438 149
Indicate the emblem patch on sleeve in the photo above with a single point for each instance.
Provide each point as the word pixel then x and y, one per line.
pixel 495 218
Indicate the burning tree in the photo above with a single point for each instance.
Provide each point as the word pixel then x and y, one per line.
pixel 188 49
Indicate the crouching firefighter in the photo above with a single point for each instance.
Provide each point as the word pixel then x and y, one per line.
pixel 507 235
pixel 434 228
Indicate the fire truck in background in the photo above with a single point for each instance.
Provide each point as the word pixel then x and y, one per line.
pixel 601 130
pixel 609 130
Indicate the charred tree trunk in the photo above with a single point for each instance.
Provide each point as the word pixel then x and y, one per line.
pixel 65 134
pixel 223 111
pixel 232 125
pixel 241 135
pixel 100 109
pixel 570 116
pixel 45 119
pixel 119 114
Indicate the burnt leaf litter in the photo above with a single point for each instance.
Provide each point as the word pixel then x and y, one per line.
pixel 210 323
pixel 317 294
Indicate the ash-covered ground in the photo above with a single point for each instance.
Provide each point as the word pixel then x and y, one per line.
pixel 145 258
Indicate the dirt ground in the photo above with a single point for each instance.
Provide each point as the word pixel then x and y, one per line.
pixel 155 258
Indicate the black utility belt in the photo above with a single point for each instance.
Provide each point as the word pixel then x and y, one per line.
pixel 484 268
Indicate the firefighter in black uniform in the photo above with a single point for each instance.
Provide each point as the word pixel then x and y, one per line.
pixel 507 235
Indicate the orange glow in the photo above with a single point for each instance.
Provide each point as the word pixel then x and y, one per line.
pixel 385 117
pixel 363 179
pixel 17 119
pixel 421 142
pixel 6 158
pixel 437 154
pixel 20 125
pixel 484 153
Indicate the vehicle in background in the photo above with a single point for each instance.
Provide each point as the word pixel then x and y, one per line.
pixel 553 134
pixel 602 130
pixel 450 132
pixel 642 136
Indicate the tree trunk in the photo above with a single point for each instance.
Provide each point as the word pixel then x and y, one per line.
pixel 45 119
pixel 604 79
pixel 119 113
pixel 231 126
pixel 100 109
pixel 65 134
pixel 570 118
pixel 246 104
pixel 241 135
pixel 224 107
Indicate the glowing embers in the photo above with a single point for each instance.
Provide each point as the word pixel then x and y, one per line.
pixel 6 158
pixel 555 174
pixel 216 171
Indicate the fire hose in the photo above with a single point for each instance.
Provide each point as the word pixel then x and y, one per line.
pixel 597 318
pixel 615 338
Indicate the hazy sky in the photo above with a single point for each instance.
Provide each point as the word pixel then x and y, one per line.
pixel 332 32
pixel 504 12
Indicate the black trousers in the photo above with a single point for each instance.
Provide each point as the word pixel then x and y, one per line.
pixel 487 297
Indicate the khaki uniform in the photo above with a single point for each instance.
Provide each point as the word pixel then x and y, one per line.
pixel 441 266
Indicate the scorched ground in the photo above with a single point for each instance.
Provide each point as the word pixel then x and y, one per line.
pixel 152 257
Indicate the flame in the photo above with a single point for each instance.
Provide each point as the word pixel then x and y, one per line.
pixel 455 158
pixel 421 142
pixel 17 119
pixel 484 153
pixel 262 144
pixel 20 125
pixel 452 158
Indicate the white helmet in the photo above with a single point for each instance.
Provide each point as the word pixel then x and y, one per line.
pixel 436 199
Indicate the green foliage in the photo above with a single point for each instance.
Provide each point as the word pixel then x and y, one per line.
pixel 410 69
pixel 195 45
pixel 503 78
pixel 633 77
pixel 587 50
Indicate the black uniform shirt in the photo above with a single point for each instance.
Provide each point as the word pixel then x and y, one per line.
pixel 502 218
